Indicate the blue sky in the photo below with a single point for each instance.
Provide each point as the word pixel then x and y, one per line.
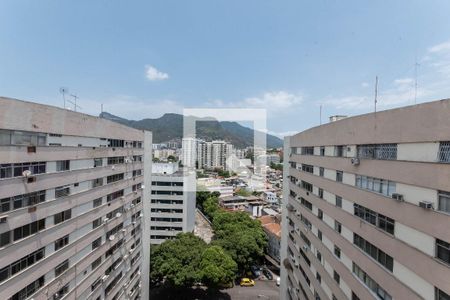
pixel 142 59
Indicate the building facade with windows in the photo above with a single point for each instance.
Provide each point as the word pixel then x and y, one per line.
pixel 366 207
pixel 172 202
pixel 71 205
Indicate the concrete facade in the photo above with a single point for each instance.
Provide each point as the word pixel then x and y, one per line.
pixel 71 194
pixel 366 207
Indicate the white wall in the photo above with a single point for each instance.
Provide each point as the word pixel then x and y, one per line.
pixel 415 238
pixel 415 194
pixel 414 282
pixel 418 151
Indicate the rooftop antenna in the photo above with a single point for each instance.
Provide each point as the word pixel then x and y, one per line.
pixel 64 91
pixel 376 93
pixel 320 113
pixel 75 105
pixel 416 65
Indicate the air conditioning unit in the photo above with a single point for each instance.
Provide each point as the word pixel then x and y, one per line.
pixel 355 161
pixel 134 222
pixel 131 251
pixel 125 256
pixel 112 237
pixel 3 219
pixel 426 204
pixel 132 205
pixel 142 187
pixel 106 220
pixel 105 277
pixel 26 173
pixel 122 197
pixel 398 197
pixel 118 215
pixel 113 167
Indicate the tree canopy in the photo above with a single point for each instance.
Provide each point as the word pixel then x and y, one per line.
pixel 217 267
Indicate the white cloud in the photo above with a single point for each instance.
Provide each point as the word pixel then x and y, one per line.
pixel 283 133
pixel 154 74
pixel 443 47
pixel 272 101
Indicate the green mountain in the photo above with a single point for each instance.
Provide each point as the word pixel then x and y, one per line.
pixel 170 127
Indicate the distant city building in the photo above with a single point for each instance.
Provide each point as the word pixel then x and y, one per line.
pixel 270 197
pixel 163 154
pixel 172 202
pixel 367 207
pixel 71 205
pixel 206 155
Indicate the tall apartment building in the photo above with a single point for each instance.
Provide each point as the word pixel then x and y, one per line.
pixel 71 205
pixel 172 202
pixel 366 208
pixel 206 155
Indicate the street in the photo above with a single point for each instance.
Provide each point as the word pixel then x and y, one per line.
pixel 263 289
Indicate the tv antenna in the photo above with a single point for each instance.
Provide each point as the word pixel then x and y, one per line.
pixel 74 102
pixel 64 91
pixel 376 93
pixel 416 65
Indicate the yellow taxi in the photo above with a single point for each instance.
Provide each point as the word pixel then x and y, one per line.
pixel 247 282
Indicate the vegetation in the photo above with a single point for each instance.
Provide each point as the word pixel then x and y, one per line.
pixel 202 196
pixel 187 260
pixel 223 173
pixel 243 193
pixel 276 166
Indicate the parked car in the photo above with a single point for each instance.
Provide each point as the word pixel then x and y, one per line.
pixel 247 282
pixel 255 271
pixel 267 274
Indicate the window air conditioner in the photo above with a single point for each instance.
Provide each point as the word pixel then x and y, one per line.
pixel 426 204
pixel 355 161
pixel 398 197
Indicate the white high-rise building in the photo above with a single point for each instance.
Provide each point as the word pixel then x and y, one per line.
pixel 71 205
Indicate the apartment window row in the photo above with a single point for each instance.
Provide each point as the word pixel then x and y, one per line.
pixel 377 151
pixel 166 183
pixel 307 168
pixel 62 165
pixel 138 158
pixel 62 216
pixel 21 232
pixel 307 186
pixel 136 201
pixel 306 203
pixel 115 177
pixel 96 263
pixel 114 230
pixel 161 237
pixel 136 243
pixel 59 269
pixel 135 258
pixel 17 169
pixel 169 228
pixel 376 185
pixel 172 193
pixel 97 182
pixel 114 248
pixel 62 191
pixel 135 216
pixel 29 290
pixel 113 283
pixel 113 266
pixel 62 242
pixel 115 195
pixel 379 255
pixel 305 239
pixel 305 221
pixel 21 264
pixel 167 210
pixel 381 221
pixel 17 202
pixel 114 213
pixel 115 160
pixel 137 172
pixel 440 295
pixel 136 230
pixel 370 283
pixel 161 201
pixel 307 151
pixel 166 219
pixel 22 138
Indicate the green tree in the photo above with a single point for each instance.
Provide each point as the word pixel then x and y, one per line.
pixel 243 193
pixel 275 166
pixel 178 260
pixel 201 197
pixel 211 207
pixel 217 267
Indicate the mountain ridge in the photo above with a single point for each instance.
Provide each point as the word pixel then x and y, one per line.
pixel 170 127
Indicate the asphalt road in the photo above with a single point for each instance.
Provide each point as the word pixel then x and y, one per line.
pixel 263 289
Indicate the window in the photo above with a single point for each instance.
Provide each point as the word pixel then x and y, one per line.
pixel 377 185
pixel 339 176
pixel 62 242
pixel 5 238
pixel 380 256
pixel 370 283
pixel 62 165
pixel 97 202
pixel 440 295
pixel 307 168
pixel 320 214
pixel 306 185
pixel 16 202
pixel 114 195
pixel 115 143
pixel 307 150
pixel 21 264
pixel 319 278
pixel 321 171
pixel 339 201
pixel 115 160
pixel 381 221
pixel 96 223
pixel 97 182
pixel 354 297
pixel 61 267
pixel 378 151
pixel 29 229
pixel 444 152
pixel 306 203
pixel 336 277
pixel 96 263
pixel 322 151
pixel 29 290
pixel 319 234
pixel 98 162
pixel 114 178
pixel 96 243
pixel 443 251
pixel 444 201
pixel 319 256
pixel 96 283
pixel 320 193
pixel 337 226
pixel 337 251
pixel 62 191
pixel 16 170
pixel 62 216
pixel 339 151
pixel 61 293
